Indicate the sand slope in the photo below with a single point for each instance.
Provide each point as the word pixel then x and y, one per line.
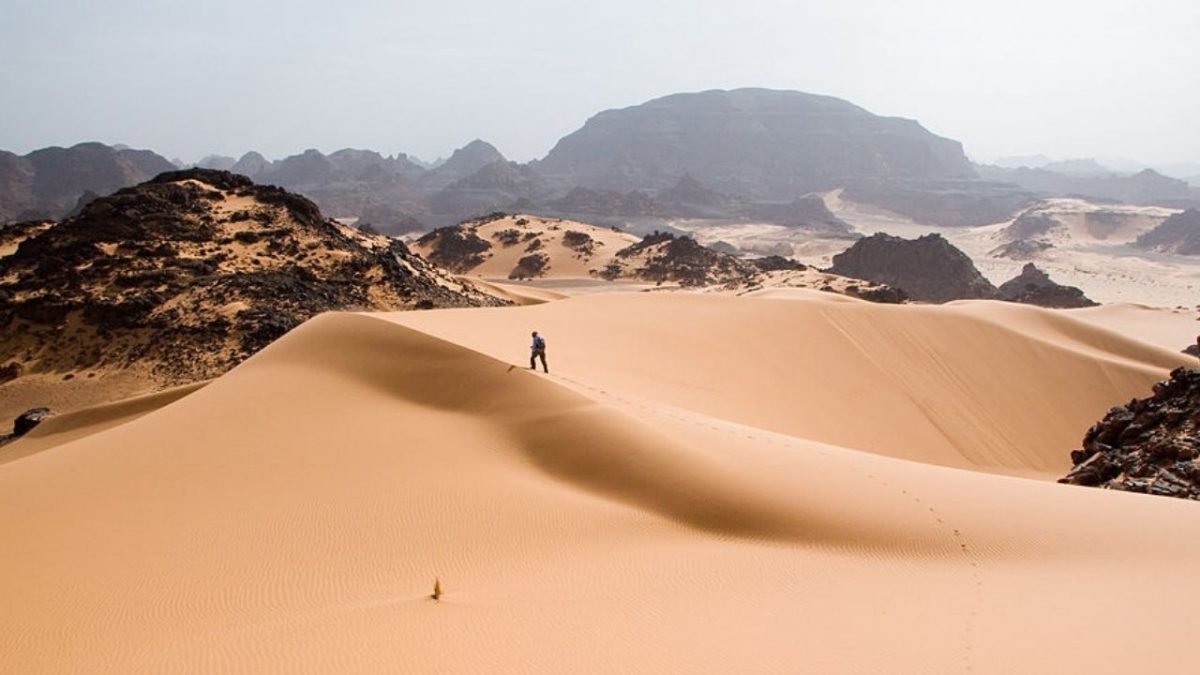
pixel 612 517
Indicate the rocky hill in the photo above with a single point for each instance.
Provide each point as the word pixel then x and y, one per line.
pixel 930 268
pixel 756 143
pixel 523 247
pixel 1179 234
pixel 1149 445
pixel 1034 287
pixel 190 273
pixel 47 183
pixel 531 247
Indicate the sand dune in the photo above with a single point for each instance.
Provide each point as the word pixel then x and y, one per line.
pixel 703 484
pixel 977 385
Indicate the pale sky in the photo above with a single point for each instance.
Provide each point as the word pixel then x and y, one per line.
pixel 1064 78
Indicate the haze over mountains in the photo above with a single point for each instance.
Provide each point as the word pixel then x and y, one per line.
pixel 744 154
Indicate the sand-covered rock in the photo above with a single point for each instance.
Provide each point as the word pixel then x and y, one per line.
pixel 1178 234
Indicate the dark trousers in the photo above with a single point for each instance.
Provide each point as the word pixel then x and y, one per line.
pixel 536 354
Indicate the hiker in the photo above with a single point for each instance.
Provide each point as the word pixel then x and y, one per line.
pixel 537 349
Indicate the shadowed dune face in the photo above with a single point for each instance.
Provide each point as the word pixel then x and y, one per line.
pixel 974 385
pixel 293 514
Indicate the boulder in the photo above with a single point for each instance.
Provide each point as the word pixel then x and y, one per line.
pixel 29 419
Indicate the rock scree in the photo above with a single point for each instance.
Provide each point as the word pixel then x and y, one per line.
pixel 1149 445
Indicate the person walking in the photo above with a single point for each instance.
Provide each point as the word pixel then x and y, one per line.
pixel 537 350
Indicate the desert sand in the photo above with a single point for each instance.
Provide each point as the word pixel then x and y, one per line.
pixel 795 482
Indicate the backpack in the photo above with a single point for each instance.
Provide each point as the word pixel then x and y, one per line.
pixel 539 343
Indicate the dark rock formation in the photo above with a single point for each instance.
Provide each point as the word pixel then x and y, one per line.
pixel 881 293
pixel 1021 249
pixel 1179 234
pixel 930 268
pixel 1031 224
pixel 1150 445
pixel 530 266
pixel 682 260
pixel 26 421
pixel 192 272
pixel 754 143
pixel 1034 287
pixel 777 263
pixel 47 183
pixel 457 248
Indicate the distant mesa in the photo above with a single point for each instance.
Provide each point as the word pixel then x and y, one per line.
pixel 1147 187
pixel 1178 234
pixel 190 273
pixel 1078 167
pixel 756 143
pixel 1148 445
pixel 47 183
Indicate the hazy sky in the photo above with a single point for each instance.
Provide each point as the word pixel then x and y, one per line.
pixel 1066 78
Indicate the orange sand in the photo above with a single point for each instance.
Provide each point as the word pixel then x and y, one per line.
pixel 703 484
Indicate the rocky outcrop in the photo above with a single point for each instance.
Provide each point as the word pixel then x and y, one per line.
pixel 929 269
pixel 1149 445
pixel 1179 234
pixel 457 247
pixel 192 272
pixel 663 257
pixel 1022 249
pixel 755 143
pixel 26 421
pixel 1034 287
